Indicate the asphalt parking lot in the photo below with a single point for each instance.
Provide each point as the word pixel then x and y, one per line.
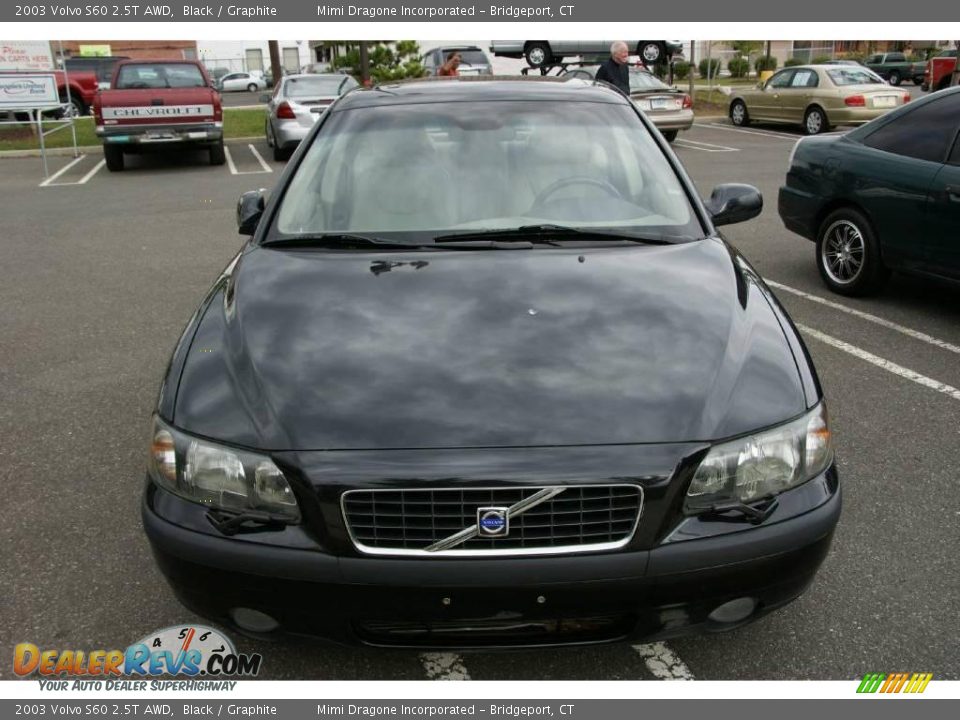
pixel 102 271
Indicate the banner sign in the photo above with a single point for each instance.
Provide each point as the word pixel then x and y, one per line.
pixel 28 92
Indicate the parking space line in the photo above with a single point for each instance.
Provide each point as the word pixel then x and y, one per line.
pixel 915 334
pixel 233 168
pixel 766 133
pixel 663 662
pixel 93 172
pixel 61 171
pixel 880 362
pixel 263 164
pixel 706 147
pixel 444 666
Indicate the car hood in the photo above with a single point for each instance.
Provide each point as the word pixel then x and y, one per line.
pixel 307 350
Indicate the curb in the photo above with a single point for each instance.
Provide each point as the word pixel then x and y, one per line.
pixel 84 149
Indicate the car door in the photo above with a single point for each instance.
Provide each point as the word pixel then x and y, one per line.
pixel 900 181
pixel 768 101
pixel 795 98
pixel 943 206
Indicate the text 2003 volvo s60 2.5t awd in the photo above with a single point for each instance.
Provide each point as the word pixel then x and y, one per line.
pixel 485 374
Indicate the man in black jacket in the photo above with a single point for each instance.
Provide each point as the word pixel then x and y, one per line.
pixel 615 70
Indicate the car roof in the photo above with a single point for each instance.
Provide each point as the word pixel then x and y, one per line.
pixel 297 76
pixel 473 88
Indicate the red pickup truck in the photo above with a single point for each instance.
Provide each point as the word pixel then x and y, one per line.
pixel 153 102
pixel 939 69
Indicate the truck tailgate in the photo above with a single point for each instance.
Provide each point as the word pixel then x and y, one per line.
pixel 157 106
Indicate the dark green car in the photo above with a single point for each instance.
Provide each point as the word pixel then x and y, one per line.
pixel 883 197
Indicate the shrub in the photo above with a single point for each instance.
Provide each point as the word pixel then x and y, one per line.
pixel 681 70
pixel 709 67
pixel 821 59
pixel 766 62
pixel 792 62
pixel 738 67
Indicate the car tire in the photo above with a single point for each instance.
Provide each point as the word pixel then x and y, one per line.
pixel 670 135
pixel 738 113
pixel 252 87
pixel 113 155
pixel 845 236
pixel 77 107
pixel 918 80
pixel 538 55
pixel 894 78
pixel 815 121
pixel 650 52
pixel 218 155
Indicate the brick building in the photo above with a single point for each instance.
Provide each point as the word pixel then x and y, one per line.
pixel 140 49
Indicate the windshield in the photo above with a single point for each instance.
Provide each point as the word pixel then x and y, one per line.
pixel 160 75
pixel 423 170
pixel 471 57
pixel 849 75
pixel 642 81
pixel 318 86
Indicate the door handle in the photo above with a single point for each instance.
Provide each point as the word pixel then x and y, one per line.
pixel 953 193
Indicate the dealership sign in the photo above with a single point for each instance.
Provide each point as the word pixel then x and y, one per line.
pixel 28 92
pixel 25 55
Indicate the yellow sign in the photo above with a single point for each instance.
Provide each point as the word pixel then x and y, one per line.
pixel 95 50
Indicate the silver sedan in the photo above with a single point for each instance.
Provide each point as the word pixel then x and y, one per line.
pixel 296 104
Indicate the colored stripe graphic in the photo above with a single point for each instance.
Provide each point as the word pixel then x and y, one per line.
pixel 894 683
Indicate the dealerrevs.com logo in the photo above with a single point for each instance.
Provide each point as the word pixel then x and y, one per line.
pixel 192 651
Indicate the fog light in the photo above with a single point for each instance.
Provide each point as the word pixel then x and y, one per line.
pixel 733 611
pixel 254 620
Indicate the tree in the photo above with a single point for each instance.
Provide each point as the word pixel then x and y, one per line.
pixel 955 80
pixel 386 63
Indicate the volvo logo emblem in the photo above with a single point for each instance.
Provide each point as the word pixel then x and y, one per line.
pixel 493 521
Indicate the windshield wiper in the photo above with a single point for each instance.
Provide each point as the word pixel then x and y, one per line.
pixel 547 234
pixel 346 240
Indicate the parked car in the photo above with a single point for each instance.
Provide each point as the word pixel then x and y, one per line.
pixel 240 81
pixel 470 383
pixel 102 65
pixel 939 71
pixel 816 97
pixel 883 197
pixel 670 108
pixel 172 103
pixel 548 52
pixel 844 62
pixel 895 68
pixel 473 60
pixel 296 104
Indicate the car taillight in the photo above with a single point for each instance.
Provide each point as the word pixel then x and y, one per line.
pixel 285 112
pixel 687 102
pixel 906 98
pixel 855 101
pixel 217 107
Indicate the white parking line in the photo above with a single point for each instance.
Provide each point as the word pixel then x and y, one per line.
pixel 93 172
pixel 61 171
pixel 706 147
pixel 663 662
pixel 767 133
pixel 444 666
pixel 233 166
pixel 915 334
pixel 880 362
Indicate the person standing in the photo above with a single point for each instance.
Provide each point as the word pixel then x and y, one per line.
pixel 451 67
pixel 615 70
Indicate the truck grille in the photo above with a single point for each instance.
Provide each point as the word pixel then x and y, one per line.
pixel 540 520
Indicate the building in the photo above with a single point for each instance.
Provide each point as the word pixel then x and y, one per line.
pixel 139 49
pixel 247 55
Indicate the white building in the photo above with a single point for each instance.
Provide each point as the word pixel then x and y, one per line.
pixel 246 55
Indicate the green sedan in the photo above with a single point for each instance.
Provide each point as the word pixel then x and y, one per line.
pixel 817 97
pixel 883 197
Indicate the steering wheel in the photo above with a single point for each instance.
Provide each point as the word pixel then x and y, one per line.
pixel 553 188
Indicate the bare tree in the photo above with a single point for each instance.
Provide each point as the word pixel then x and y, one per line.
pixel 955 79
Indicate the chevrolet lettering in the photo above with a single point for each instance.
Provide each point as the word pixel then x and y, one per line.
pixel 486 374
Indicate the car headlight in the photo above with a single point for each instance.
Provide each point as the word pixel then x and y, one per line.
pixel 218 476
pixel 763 464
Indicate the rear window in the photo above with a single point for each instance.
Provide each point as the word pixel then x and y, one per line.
pixel 849 75
pixel 318 86
pixel 641 81
pixel 472 57
pixel 159 75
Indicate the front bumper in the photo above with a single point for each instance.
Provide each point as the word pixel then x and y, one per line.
pixel 663 592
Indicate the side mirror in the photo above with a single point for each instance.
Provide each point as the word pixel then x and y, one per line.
pixel 265 97
pixel 249 211
pixel 734 203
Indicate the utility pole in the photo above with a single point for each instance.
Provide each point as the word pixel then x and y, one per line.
pixel 364 64
pixel 275 67
pixel 955 79
pixel 693 45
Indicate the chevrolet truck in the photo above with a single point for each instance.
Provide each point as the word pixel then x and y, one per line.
pixel 895 68
pixel 159 102
pixel 939 71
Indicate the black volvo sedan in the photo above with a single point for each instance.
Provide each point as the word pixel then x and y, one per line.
pixel 486 375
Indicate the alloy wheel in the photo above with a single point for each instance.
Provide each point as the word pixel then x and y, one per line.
pixel 842 252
